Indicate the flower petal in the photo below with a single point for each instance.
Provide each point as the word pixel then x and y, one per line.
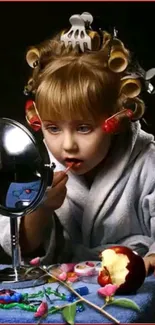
pixel 42 309
pixel 62 276
pixel 35 261
pixel 72 278
pixel 67 267
pixel 108 291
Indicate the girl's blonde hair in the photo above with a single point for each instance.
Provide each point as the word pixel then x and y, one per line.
pixel 71 84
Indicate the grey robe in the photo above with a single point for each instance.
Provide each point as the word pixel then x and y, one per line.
pixel 119 208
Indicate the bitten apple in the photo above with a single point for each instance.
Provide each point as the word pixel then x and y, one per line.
pixel 123 267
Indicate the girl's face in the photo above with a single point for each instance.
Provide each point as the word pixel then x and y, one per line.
pixel 83 141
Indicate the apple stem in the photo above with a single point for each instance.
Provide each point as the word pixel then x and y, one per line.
pixel 115 320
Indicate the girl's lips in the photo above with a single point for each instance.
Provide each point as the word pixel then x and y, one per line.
pixel 73 164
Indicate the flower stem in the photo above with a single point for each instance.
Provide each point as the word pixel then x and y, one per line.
pixel 115 320
pixel 104 305
pixel 66 305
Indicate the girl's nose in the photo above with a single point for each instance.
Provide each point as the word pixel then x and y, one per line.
pixel 69 142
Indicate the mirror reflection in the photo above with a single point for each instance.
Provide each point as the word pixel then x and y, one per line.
pixel 21 168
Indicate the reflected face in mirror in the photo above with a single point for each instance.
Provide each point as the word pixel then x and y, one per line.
pixel 24 169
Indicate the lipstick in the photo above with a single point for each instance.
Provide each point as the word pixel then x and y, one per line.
pixel 69 167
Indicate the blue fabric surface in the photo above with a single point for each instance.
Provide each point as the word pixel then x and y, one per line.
pixel 145 298
pixel 19 192
pixel 20 284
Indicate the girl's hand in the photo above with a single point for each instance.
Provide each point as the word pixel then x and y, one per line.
pixel 55 195
pixel 149 263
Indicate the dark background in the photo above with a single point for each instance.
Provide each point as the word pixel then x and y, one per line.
pixel 26 23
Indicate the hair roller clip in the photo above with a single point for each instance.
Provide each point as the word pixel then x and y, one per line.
pixel 119 56
pixel 148 76
pixel 32 116
pixel 88 19
pixel 32 57
pixel 96 34
pixel 144 76
pixel 112 125
pixel 131 85
pixel 26 90
pixel 77 33
pixel 29 87
pixel 133 110
pixel 137 106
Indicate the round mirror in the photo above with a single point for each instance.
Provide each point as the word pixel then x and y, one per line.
pixel 25 170
pixel 25 173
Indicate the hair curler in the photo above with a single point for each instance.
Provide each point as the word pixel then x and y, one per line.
pixel 119 57
pixel 32 116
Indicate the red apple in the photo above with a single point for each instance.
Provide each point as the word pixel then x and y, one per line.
pixel 123 267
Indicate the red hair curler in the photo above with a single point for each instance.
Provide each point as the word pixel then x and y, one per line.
pixel 32 116
pixel 112 124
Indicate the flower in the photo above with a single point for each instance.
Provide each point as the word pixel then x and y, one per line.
pixel 72 278
pixel 62 276
pixel 67 267
pixel 42 310
pixel 35 261
pixel 108 291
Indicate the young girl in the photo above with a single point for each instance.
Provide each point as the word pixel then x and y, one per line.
pixel 86 91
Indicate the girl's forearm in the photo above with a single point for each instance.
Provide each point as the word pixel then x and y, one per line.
pixel 32 229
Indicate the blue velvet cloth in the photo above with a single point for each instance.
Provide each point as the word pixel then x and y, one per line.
pixel 145 298
pixel 21 192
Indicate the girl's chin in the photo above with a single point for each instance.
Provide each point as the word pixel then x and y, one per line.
pixel 79 171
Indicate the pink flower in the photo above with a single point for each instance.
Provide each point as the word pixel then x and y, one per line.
pixel 62 276
pixel 108 291
pixel 35 261
pixel 42 310
pixel 67 267
pixel 72 278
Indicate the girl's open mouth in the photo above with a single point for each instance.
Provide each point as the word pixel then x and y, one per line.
pixel 73 162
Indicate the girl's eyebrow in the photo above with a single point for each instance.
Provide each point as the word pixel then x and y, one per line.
pixel 70 122
pixel 48 121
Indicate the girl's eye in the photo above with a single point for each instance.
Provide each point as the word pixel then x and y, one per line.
pixel 53 129
pixel 84 128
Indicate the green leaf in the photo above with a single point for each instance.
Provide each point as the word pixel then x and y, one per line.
pixel 69 313
pixel 126 303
